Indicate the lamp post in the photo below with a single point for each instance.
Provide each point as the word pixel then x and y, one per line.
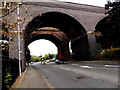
pixel 19 44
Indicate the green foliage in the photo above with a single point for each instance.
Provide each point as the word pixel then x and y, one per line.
pixel 35 58
pixel 8 79
pixel 115 11
pixel 49 56
pixel 109 54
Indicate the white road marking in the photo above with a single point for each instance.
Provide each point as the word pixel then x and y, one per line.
pixel 67 69
pixel 86 67
pixel 106 65
pixel 74 64
pixel 112 66
pixel 78 71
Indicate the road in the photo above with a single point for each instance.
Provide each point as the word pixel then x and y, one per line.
pixel 74 75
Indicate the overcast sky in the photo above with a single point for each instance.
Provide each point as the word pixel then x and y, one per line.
pixel 44 47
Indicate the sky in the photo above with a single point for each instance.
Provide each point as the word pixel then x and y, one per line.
pixel 42 47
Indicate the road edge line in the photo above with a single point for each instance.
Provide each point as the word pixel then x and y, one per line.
pixel 44 77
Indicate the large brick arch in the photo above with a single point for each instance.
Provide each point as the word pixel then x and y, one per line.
pixel 74 31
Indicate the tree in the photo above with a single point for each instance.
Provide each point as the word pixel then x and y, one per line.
pixel 114 11
pixel 109 26
pixel 49 56
pixel 113 22
pixel 35 58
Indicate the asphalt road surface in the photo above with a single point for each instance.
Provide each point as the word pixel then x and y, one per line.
pixel 80 75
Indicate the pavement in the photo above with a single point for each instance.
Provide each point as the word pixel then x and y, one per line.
pixel 31 78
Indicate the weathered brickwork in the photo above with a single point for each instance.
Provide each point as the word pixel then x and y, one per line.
pixel 87 16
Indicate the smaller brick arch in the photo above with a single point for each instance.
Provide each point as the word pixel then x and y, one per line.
pixel 56 37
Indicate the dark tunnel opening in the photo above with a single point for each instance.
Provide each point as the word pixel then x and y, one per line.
pixel 109 34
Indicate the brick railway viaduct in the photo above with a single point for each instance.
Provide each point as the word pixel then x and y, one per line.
pixel 59 22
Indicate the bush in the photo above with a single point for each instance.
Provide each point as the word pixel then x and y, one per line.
pixel 10 72
pixel 109 54
pixel 8 79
